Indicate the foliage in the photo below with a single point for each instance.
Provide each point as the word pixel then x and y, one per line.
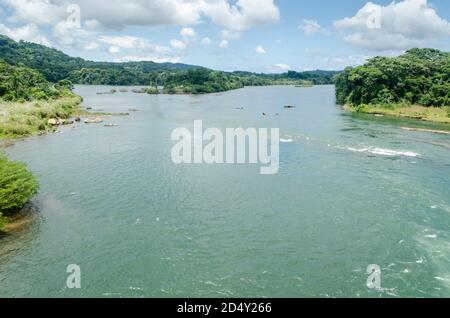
pixel 24 84
pixel 17 186
pixel 18 119
pixel 200 81
pixel 418 77
pixel 176 78
pixel 3 222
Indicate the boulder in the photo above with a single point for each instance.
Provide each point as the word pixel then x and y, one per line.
pixel 95 120
pixel 53 122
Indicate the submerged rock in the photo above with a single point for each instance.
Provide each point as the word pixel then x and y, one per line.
pixel 95 120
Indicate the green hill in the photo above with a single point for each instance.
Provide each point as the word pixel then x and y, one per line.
pixel 418 77
pixel 56 65
pixel 179 78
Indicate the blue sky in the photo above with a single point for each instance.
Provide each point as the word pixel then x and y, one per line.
pixel 253 35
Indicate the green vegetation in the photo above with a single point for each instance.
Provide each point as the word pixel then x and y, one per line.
pixel 307 78
pixel 176 78
pixel 435 114
pixel 28 101
pixel 23 119
pixel 24 84
pixel 17 187
pixel 419 78
pixel 200 81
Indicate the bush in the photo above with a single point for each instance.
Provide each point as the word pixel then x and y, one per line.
pixel 17 186
pixel 3 222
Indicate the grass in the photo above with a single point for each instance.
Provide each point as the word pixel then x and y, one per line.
pixel 432 114
pixel 23 119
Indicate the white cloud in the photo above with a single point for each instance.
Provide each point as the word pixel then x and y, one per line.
pixel 123 41
pixel 139 58
pixel 341 62
pixel 206 41
pixel 29 33
pixel 282 66
pixel 402 25
pixel 310 26
pixel 177 44
pixel 50 17
pixel 260 50
pixel 187 32
pixel 223 44
pixel 242 15
pixel 92 46
pixel 114 49
pixel 118 14
pixel 36 11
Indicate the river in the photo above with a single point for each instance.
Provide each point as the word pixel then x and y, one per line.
pixel 352 190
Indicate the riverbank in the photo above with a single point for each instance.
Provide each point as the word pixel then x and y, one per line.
pixel 431 114
pixel 19 120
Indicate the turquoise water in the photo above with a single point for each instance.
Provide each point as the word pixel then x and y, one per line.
pixel 352 190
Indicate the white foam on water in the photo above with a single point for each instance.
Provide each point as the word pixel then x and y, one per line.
pixel 384 152
pixel 285 140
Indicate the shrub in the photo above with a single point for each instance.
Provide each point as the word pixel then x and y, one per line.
pixel 17 186
pixel 2 222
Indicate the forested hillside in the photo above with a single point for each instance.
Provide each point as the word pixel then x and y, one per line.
pixel 18 83
pixel 56 66
pixel 418 77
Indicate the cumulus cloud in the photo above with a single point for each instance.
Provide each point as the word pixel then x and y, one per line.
pixel 187 32
pixel 206 41
pixel 341 62
pixel 118 14
pixel 223 44
pixel 177 44
pixel 243 15
pixel 260 50
pixel 149 58
pixel 29 32
pixel 310 26
pixel 41 20
pixel 114 49
pixel 282 66
pixel 397 26
pixel 91 46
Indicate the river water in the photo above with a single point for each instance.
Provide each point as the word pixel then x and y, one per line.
pixel 352 190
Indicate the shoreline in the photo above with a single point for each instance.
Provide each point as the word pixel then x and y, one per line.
pixel 436 115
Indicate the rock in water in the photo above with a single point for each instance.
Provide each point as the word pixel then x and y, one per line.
pixel 95 120
pixel 53 122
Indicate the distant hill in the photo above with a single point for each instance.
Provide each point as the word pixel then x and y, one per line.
pixel 56 65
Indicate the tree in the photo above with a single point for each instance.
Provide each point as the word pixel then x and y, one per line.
pixel 17 186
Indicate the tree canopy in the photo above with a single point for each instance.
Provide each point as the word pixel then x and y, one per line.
pixel 418 77
pixel 176 77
